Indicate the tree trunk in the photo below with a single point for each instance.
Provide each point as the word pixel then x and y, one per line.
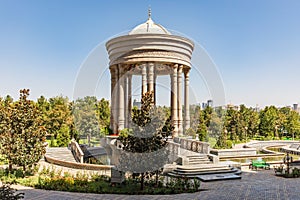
pixel 156 178
pixel 10 167
pixel 142 181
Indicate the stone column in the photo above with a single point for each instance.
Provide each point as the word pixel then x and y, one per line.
pixel 113 99
pixel 144 79
pixel 129 99
pixel 174 110
pixel 150 79
pixel 154 85
pixel 125 99
pixel 186 99
pixel 179 99
pixel 121 98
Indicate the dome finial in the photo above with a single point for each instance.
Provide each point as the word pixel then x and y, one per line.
pixel 149 12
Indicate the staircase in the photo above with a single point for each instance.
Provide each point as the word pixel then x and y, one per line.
pixel 196 165
pixel 198 159
pixel 207 172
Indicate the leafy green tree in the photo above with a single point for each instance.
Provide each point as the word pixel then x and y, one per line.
pixel 195 112
pixel 8 99
pixel 85 117
pixel 202 126
pixel 148 136
pixel 43 105
pixel 253 123
pixel 23 135
pixel 269 122
pixel 293 124
pixel 103 112
pixel 58 115
pixel 232 126
pixel 63 136
pixel 216 126
pixel 207 115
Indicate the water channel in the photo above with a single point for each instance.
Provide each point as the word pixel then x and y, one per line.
pixel 266 157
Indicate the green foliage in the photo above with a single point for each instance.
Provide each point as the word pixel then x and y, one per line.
pixel 141 118
pixel 269 121
pixel 103 112
pixel 7 193
pixel 204 121
pixel 63 136
pixel 191 132
pixel 146 136
pixel 85 116
pixel 22 132
pixel 58 115
pixel 101 184
pixel 183 184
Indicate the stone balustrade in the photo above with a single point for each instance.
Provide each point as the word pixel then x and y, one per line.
pixel 76 150
pixel 193 145
pixel 174 149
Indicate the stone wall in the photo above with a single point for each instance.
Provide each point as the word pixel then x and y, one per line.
pixel 234 152
pixel 78 165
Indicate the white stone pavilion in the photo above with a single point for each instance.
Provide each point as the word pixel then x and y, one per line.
pixel 149 50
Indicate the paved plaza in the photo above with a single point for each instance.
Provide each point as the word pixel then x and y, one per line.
pixel 261 184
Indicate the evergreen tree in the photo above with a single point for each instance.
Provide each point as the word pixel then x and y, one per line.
pixel 146 143
pixel 23 135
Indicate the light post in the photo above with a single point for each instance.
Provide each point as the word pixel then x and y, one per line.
pixel 225 137
pixel 89 137
pixel 246 128
pixel 287 160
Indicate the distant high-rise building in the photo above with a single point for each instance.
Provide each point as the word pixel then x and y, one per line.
pixel 136 103
pixel 210 103
pixel 295 107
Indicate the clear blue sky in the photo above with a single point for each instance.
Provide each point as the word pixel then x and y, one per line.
pixel 255 44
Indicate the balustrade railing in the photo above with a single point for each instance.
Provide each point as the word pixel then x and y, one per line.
pixel 194 145
pixel 76 150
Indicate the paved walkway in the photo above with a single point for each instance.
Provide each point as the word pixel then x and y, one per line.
pixel 60 153
pixel 262 184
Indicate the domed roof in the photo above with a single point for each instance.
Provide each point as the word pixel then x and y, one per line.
pixel 149 27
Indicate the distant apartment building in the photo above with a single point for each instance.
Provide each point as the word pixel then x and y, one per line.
pixel 295 107
pixel 209 103
pixel 136 103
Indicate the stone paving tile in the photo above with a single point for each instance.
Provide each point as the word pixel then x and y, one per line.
pixel 262 184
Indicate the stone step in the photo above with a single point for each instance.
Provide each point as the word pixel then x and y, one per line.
pixel 197 156
pixel 218 177
pixel 193 174
pixel 193 162
pixel 201 166
pixel 200 159
pixel 207 174
pixel 203 170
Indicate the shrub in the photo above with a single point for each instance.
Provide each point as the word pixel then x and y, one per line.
pixel 6 192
